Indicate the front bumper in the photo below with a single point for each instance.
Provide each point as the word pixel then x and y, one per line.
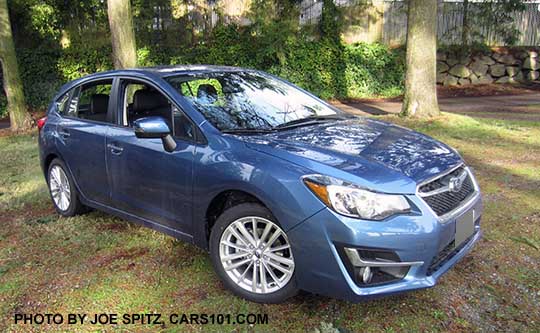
pixel 322 268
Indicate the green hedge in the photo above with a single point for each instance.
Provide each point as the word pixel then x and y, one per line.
pixel 325 67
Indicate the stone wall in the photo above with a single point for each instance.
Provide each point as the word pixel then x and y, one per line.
pixel 496 66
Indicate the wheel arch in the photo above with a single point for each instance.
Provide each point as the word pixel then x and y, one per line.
pixel 225 200
pixel 48 160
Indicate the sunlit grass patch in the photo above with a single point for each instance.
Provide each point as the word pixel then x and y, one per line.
pixel 21 179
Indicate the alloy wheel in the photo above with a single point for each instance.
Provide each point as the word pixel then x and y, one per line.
pixel 60 188
pixel 256 255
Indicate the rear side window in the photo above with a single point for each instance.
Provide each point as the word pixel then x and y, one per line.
pixel 91 101
pixel 62 103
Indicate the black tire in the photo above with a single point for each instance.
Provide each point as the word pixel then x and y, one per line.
pixel 75 206
pixel 225 219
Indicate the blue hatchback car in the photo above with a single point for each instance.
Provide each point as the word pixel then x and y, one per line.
pixel 285 191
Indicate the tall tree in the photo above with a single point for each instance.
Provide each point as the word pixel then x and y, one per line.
pixel 18 114
pixel 122 34
pixel 420 98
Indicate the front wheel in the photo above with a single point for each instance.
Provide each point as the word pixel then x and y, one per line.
pixel 252 254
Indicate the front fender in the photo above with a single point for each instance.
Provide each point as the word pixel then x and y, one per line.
pixel 275 182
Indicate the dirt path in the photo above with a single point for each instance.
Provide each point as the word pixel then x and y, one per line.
pixel 515 107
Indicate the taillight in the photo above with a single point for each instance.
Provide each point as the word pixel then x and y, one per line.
pixel 41 122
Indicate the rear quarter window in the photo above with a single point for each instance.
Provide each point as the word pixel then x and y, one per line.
pixel 62 102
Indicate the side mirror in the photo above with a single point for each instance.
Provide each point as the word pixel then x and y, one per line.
pixel 154 128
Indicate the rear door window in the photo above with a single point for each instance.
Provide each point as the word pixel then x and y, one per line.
pixel 91 101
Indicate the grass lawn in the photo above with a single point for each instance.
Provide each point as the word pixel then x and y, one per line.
pixel 97 263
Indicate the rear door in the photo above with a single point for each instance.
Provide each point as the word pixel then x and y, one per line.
pixel 146 180
pixel 82 133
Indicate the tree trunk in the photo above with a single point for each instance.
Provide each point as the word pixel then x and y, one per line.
pixel 122 34
pixel 18 114
pixel 420 98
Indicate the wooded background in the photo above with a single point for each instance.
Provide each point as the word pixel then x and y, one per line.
pixel 342 48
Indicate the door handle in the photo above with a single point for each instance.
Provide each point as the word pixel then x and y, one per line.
pixel 115 149
pixel 64 133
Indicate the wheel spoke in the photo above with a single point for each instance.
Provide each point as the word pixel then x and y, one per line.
pixel 56 198
pixel 271 272
pixel 54 176
pixel 279 267
pixel 235 246
pixel 262 273
pixel 255 236
pixel 58 176
pixel 62 177
pixel 237 264
pixel 282 260
pixel 64 201
pixel 61 203
pixel 273 238
pixel 279 248
pixel 234 256
pixel 238 236
pixel 241 277
pixel 246 234
pixel 254 279
pixel 266 230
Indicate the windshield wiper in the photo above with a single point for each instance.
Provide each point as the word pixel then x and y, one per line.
pixel 247 131
pixel 311 120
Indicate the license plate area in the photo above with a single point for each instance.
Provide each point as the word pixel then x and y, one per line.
pixel 464 227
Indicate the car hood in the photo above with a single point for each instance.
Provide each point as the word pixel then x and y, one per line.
pixel 379 155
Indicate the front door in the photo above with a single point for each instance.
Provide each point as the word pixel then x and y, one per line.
pixel 146 180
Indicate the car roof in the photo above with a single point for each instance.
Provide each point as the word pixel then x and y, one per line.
pixel 164 71
pixel 188 69
pixel 157 71
pixel 151 72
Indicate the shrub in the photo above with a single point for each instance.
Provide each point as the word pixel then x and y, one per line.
pixel 325 67
pixel 373 70
pixel 78 60
pixel 39 75
pixel 317 66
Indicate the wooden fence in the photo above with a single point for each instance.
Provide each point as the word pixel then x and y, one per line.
pixel 450 23
pixel 386 20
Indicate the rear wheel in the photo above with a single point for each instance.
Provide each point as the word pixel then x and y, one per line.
pixel 64 195
pixel 252 254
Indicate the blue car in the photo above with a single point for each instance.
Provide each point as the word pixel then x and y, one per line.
pixel 285 191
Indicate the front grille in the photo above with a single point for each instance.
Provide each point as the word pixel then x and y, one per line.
pixel 446 201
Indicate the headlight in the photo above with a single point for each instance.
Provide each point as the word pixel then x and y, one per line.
pixel 350 200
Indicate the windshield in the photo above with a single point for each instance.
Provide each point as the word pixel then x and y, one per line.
pixel 247 100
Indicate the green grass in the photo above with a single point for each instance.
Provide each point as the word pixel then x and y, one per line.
pixel 98 263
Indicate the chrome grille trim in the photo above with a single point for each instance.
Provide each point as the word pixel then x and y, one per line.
pixel 445 188
pixel 464 205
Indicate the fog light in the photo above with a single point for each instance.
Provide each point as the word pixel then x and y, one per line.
pixel 365 274
pixel 372 267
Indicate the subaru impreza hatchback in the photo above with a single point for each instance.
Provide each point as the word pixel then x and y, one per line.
pixel 285 191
